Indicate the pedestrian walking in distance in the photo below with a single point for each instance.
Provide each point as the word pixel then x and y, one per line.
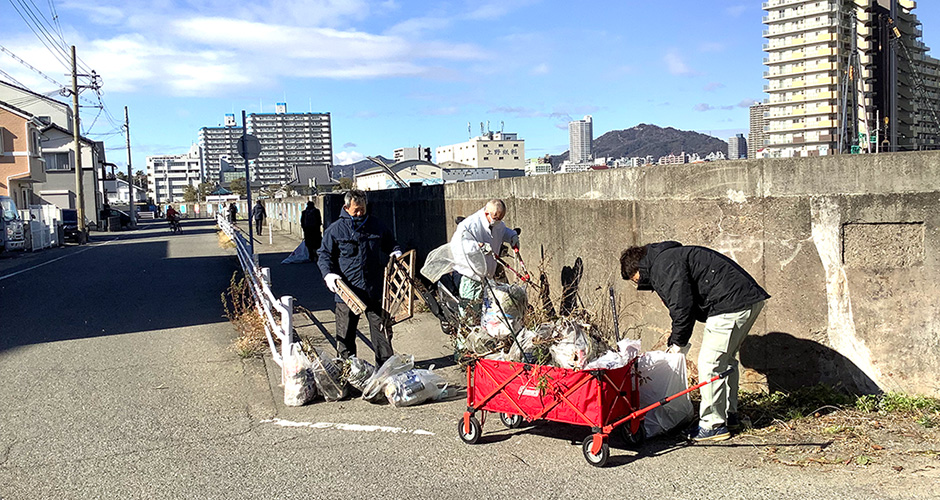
pixel 310 223
pixel 259 215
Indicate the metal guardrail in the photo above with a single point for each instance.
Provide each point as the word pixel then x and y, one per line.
pixel 265 301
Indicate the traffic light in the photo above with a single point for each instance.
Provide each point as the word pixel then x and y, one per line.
pixel 427 154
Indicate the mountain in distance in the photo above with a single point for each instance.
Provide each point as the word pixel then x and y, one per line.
pixel 646 139
pixel 347 171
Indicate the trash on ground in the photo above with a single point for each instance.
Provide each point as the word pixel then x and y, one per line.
pixel 299 385
pixel 375 385
pixel 329 377
pixel 357 372
pixel 414 387
pixel 298 256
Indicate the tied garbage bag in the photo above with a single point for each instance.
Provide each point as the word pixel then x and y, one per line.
pixel 414 387
pixel 299 255
pixel 358 372
pixel 663 374
pixel 299 385
pixel 575 349
pixel 396 364
pixel 329 378
pixel 523 350
pixel 627 349
pixel 503 308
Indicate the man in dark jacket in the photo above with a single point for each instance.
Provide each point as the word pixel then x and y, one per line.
pixel 259 214
pixel 232 210
pixel 700 284
pixel 310 222
pixel 356 249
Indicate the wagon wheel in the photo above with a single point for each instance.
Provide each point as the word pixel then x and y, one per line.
pixel 598 460
pixel 511 421
pixel 631 439
pixel 471 436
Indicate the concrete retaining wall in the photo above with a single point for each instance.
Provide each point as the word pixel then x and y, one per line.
pixel 847 245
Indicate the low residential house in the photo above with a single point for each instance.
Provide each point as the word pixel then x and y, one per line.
pixel 21 164
pixel 59 189
pixel 117 192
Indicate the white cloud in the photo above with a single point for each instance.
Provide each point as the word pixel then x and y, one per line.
pixel 737 10
pixel 676 65
pixel 347 157
pixel 541 69
pixel 96 13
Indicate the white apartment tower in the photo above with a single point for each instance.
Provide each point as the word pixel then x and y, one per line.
pixel 168 175
pixel 838 67
pixel 288 140
pixel 580 140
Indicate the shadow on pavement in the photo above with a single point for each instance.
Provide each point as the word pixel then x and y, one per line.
pixel 113 289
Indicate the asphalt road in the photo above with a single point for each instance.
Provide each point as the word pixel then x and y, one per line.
pixel 117 380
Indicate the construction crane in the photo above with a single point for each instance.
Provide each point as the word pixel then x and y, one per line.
pixel 920 87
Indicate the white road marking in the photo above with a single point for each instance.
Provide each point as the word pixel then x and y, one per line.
pixel 21 271
pixel 346 427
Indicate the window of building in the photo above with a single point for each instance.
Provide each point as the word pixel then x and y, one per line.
pixel 56 161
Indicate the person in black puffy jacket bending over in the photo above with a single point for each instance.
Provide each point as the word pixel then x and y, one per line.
pixel 699 284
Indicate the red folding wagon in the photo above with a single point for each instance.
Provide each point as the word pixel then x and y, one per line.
pixel 603 400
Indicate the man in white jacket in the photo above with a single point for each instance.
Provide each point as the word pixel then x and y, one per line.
pixel 480 234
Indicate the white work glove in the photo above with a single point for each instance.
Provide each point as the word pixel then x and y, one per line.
pixel 486 248
pixel 396 254
pixel 331 280
pixel 684 349
pixel 514 242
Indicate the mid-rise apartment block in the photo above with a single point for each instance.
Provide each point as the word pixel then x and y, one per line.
pixel 837 69
pixel 168 175
pixel 581 140
pixel 499 150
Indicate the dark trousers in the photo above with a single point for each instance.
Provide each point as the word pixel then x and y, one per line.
pixel 312 242
pixel 259 223
pixel 346 323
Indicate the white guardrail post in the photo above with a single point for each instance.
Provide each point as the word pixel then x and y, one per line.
pixel 265 301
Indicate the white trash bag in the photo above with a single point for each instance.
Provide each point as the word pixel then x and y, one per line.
pixel 663 374
pixel 414 387
pixel 299 385
pixel 329 377
pixel 575 349
pixel 396 364
pixel 299 255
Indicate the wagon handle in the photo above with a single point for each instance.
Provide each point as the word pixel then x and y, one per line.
pixel 608 428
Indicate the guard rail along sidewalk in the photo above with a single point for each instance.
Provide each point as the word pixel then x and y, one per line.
pixel 265 301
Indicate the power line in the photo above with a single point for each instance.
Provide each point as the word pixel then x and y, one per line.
pixel 41 34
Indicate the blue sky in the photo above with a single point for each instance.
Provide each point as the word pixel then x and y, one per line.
pixel 399 73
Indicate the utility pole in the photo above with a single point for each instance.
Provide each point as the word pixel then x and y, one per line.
pixel 251 237
pixel 79 188
pixel 130 178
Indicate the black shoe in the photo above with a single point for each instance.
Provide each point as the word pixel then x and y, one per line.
pixel 736 422
pixel 720 433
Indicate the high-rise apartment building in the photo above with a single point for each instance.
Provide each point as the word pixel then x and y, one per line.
pixel 737 147
pixel 218 143
pixel 838 68
pixel 580 140
pixel 168 175
pixel 288 140
pixel 757 139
